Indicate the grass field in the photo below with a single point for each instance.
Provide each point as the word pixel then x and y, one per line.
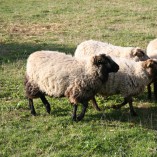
pixel 27 26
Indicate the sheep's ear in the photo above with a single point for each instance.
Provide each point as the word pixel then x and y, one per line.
pixel 148 63
pixel 97 60
pixel 138 52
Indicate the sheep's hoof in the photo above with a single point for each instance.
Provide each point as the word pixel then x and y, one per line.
pixel 33 113
pixel 74 118
pixel 80 117
pixel 48 111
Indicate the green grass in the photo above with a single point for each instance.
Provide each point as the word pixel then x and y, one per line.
pixel 27 26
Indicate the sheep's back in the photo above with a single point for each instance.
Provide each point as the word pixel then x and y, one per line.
pixel 91 47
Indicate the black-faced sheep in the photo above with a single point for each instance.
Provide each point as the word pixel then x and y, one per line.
pixel 129 81
pixel 98 47
pixel 57 75
pixel 152 53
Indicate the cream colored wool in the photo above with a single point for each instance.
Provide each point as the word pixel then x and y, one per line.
pixel 130 80
pixel 152 49
pixel 98 47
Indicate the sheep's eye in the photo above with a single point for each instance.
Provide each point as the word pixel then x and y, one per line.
pixel 99 62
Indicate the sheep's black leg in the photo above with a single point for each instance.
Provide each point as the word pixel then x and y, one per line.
pixel 132 111
pixel 118 106
pixel 149 92
pixel 84 108
pixel 155 90
pixel 31 106
pixel 95 104
pixel 46 103
pixel 74 112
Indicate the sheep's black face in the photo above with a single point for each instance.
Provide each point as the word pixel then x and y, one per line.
pixel 106 65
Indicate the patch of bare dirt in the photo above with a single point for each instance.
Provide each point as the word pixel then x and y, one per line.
pixel 33 29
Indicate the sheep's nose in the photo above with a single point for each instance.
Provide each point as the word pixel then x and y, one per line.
pixel 116 68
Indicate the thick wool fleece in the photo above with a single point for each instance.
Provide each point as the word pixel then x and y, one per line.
pixel 130 80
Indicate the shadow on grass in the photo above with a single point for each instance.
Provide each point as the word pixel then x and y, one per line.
pixel 11 52
pixel 144 97
pixel 60 111
pixel 146 118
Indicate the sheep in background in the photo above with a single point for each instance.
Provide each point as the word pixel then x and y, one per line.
pixel 152 53
pixel 57 74
pixel 98 47
pixel 129 81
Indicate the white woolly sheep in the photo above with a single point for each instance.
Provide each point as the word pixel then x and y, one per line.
pixel 98 47
pixel 152 53
pixel 57 74
pixel 129 81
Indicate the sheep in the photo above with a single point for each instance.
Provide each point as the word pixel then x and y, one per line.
pixel 98 47
pixel 56 74
pixel 129 81
pixel 152 53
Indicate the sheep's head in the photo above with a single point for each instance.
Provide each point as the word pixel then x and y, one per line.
pixel 105 64
pixel 139 54
pixel 151 67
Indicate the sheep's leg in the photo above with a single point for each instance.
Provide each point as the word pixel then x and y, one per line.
pixel 126 100
pixel 31 106
pixel 149 92
pixel 74 112
pixel 132 111
pixel 95 104
pixel 118 106
pixel 84 108
pixel 46 103
pixel 155 90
